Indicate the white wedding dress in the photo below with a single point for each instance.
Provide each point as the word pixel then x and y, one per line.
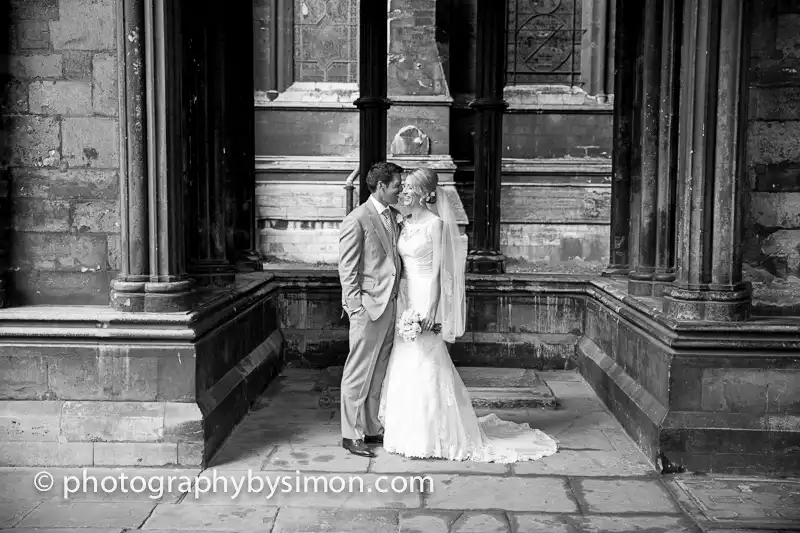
pixel 425 408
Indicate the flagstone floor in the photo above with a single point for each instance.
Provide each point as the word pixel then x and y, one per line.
pixel 598 482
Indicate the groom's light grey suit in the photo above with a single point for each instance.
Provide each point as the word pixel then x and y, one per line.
pixel 369 271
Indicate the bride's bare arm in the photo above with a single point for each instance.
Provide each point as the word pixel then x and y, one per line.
pixel 436 282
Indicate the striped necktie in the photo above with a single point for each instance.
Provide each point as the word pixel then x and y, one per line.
pixel 387 223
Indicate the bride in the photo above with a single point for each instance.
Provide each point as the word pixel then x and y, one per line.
pixel 425 408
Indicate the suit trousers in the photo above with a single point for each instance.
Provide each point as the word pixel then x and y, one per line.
pixel 362 379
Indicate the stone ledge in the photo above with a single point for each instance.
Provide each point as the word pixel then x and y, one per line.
pixel 215 307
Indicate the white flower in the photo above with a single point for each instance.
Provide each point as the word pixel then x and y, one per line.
pixel 398 218
pixel 409 325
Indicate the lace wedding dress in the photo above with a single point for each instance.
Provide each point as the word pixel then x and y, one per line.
pixel 425 408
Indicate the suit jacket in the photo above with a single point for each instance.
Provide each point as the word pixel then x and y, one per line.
pixel 369 265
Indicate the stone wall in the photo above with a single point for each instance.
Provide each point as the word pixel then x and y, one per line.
pixel 772 246
pixel 60 150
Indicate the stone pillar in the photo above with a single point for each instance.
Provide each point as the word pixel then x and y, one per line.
pixel 597 48
pixel 667 145
pixel 711 164
pixel 4 240
pixel 210 128
pixel 640 280
pixel 489 106
pixel 152 271
pixel 372 102
pixel 241 225
pixel 627 24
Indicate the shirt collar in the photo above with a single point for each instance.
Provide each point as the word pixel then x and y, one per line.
pixel 379 206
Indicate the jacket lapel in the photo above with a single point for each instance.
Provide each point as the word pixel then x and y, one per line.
pixel 377 227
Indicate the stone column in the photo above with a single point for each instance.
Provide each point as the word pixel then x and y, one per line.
pixel 372 102
pixel 210 127
pixel 640 280
pixel 711 164
pixel 4 223
pixel 152 276
pixel 597 48
pixel 489 106
pixel 627 24
pixel 241 225
pixel 667 145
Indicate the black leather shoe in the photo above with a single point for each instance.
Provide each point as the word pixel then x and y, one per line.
pixel 357 447
pixel 373 439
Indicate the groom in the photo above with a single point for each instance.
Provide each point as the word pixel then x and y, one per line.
pixel 369 270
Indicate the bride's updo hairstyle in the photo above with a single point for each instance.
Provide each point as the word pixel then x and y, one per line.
pixel 424 182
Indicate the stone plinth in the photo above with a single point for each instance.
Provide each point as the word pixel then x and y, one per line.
pixel 522 321
pixel 712 397
pixel 90 386
pixel 490 388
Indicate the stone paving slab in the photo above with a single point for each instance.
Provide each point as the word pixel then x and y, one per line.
pixel 315 459
pixel 496 388
pixel 307 490
pixel 426 521
pixel 386 462
pixel 18 484
pixel 66 514
pixel 68 530
pixel 735 502
pixel 235 518
pixel 11 511
pixel 544 494
pixel 587 463
pixel 610 496
pixel 482 523
pixel 292 520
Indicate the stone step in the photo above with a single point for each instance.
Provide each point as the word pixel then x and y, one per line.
pixel 489 388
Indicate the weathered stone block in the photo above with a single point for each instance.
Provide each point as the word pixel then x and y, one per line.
pixel 773 141
pixel 113 247
pixel 22 377
pixel 105 94
pixel 555 205
pixel 49 251
pixel 784 244
pixel 776 210
pixel 34 214
pixel 787 39
pixel 293 132
pixel 774 103
pixel 33 35
pixel 51 287
pixel 84 25
pixel 545 314
pixel 77 65
pixel 31 141
pixel 29 421
pixel 34 9
pixel 103 373
pixel 135 453
pixel 183 422
pixel 96 216
pixel 190 453
pixel 68 98
pixel 34 66
pixel 46 454
pixel 556 135
pixel 783 392
pixel 113 421
pixel 432 121
pixel 91 142
pixel 73 183
pixel 560 247
pixel 14 96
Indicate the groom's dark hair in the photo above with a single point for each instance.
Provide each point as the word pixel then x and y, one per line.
pixel 382 172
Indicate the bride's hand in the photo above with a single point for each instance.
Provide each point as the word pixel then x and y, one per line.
pixel 427 323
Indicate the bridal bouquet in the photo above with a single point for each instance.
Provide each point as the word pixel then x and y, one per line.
pixel 409 325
